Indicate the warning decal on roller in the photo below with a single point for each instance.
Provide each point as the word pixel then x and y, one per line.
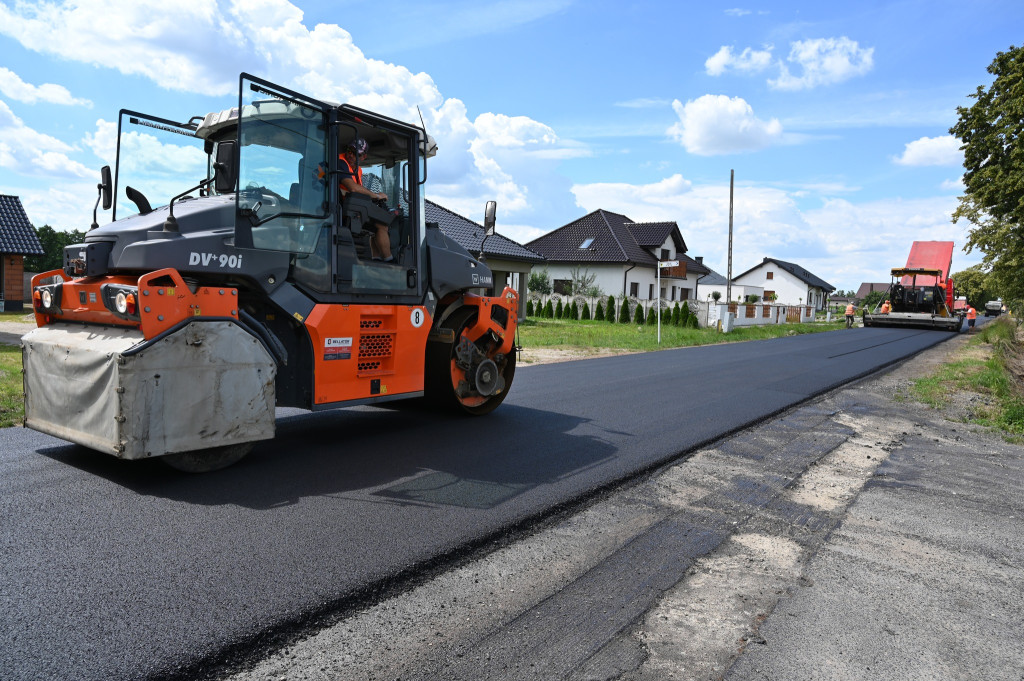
pixel 337 348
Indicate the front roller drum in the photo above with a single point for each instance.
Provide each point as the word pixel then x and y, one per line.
pixel 200 395
pixel 467 374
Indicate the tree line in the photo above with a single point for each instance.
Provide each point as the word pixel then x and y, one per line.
pixel 53 242
pixel 992 135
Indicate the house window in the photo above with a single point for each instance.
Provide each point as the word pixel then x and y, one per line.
pixel 769 295
pixel 662 293
pixel 673 293
pixel 650 292
pixel 770 275
pixel 563 287
pixel 684 294
pixel 587 243
pixel 664 254
pixel 634 289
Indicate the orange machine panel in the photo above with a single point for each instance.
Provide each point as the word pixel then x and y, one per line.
pixel 367 351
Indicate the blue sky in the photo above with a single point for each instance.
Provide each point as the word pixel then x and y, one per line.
pixel 834 116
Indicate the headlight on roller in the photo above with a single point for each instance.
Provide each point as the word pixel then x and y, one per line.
pixel 46 299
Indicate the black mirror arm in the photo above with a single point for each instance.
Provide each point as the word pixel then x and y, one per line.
pixel 171 223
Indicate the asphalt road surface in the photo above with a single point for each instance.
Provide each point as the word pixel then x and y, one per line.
pixel 127 570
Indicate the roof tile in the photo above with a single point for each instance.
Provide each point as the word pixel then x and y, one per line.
pixel 17 235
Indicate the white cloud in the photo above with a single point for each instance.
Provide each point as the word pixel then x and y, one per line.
pixel 932 151
pixel 12 86
pixel 203 44
pixel 715 124
pixel 190 49
pixel 747 61
pixel 29 152
pixel 823 61
pixel 956 185
pixel 737 12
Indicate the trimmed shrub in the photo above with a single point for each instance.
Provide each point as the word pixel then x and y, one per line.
pixel 559 312
pixel 624 317
pixel 573 312
pixel 609 310
pixel 675 315
pixel 585 315
pixel 638 314
pixel 598 313
pixel 549 311
pixel 652 317
pixel 529 308
pixel 684 314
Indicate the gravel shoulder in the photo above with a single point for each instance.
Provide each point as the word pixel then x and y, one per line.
pixel 11 332
pixel 856 536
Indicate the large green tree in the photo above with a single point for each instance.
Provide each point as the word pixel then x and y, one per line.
pixel 974 283
pixel 992 133
pixel 53 242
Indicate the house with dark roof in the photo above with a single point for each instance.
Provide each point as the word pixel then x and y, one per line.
pixel 622 254
pixel 867 287
pixel 790 283
pixel 713 281
pixel 510 262
pixel 17 239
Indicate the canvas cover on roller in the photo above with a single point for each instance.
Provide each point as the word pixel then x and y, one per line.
pixel 208 384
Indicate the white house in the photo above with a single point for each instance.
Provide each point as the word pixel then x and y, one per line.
pixel 789 283
pixel 715 282
pixel 622 255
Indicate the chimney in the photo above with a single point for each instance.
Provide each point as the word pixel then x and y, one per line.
pixel 700 259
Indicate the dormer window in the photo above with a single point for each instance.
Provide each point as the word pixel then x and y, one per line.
pixel 587 243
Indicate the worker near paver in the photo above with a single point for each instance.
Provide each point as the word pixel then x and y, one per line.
pixel 972 314
pixel 886 307
pixel 850 311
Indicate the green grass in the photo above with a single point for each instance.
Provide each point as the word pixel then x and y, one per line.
pixel 992 376
pixel 25 316
pixel 557 333
pixel 12 409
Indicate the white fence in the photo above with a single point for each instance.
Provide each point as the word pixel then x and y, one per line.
pixel 759 314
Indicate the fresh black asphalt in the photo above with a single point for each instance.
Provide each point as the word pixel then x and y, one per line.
pixel 127 570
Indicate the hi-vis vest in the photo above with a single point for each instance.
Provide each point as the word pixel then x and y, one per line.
pixel 357 174
pixel 850 309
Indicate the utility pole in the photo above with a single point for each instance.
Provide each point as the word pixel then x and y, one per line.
pixel 728 278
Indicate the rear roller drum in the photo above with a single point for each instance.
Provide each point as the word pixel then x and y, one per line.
pixel 207 460
pixel 468 374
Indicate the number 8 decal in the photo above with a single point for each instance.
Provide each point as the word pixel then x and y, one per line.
pixel 417 318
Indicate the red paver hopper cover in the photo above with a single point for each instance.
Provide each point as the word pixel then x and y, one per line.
pixel 933 255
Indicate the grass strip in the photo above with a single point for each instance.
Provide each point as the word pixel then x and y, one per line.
pixel 995 373
pixel 12 408
pixel 558 333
